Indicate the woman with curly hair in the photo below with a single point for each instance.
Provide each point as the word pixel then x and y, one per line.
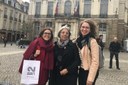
pixel 89 56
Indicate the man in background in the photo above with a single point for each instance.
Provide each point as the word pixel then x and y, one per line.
pixel 114 49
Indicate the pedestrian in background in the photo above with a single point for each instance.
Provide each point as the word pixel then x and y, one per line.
pixel 100 41
pixel 67 59
pixel 42 47
pixel 88 71
pixel 4 41
pixel 101 44
pixel 114 49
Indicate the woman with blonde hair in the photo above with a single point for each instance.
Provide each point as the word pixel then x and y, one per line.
pixel 89 56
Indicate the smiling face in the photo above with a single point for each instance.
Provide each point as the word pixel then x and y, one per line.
pixel 64 34
pixel 85 29
pixel 46 35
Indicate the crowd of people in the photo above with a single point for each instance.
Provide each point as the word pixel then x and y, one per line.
pixel 65 61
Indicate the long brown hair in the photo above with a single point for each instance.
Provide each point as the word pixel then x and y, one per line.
pixel 92 27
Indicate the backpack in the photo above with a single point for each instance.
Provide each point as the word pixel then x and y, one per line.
pixel 101 57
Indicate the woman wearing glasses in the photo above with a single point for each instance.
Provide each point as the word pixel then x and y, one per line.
pixel 42 48
pixel 67 59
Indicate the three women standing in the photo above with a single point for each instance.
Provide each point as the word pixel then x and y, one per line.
pixel 89 55
pixel 66 56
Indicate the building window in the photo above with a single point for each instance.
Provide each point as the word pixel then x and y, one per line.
pixel 5 12
pixel 16 16
pixel 67 8
pixel 20 17
pixel 37 27
pixel 127 34
pixel 24 18
pixel 37 10
pixel 49 24
pixel 103 30
pixel 5 1
pixel 59 5
pixel 11 14
pixel 50 9
pixel 9 2
pixel 87 8
pixel 14 25
pixel 103 8
pixel 10 25
pixel 19 26
pixel 4 25
pixel 102 27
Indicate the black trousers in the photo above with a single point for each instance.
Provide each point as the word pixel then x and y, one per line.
pixel 116 58
pixel 83 74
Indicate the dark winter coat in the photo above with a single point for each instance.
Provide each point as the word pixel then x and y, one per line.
pixel 66 57
pixel 114 47
pixel 100 43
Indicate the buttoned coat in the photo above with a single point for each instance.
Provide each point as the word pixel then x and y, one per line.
pixel 70 60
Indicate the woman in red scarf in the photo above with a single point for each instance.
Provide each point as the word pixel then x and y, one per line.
pixel 42 47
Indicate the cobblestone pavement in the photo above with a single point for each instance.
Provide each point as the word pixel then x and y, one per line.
pixel 10 59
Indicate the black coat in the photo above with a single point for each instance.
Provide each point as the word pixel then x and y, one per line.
pixel 114 47
pixel 66 57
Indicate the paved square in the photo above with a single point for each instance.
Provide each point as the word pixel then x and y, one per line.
pixel 10 59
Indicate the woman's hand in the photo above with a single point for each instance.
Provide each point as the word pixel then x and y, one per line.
pixel 89 83
pixel 63 72
pixel 37 53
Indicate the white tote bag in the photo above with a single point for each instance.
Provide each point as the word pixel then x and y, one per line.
pixel 30 72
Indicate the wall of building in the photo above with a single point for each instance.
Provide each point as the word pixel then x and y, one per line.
pixel 116 20
pixel 11 25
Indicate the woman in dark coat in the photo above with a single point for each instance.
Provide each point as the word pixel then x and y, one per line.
pixel 42 48
pixel 67 59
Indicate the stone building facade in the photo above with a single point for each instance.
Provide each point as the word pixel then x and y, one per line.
pixel 111 16
pixel 13 18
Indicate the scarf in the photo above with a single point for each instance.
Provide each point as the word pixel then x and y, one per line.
pixel 82 41
pixel 62 44
pixel 46 56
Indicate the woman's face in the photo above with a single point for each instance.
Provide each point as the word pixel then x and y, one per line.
pixel 85 29
pixel 64 34
pixel 46 35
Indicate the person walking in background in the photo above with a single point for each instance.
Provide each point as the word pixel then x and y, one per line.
pixel 114 49
pixel 67 59
pixel 4 41
pixel 43 47
pixel 100 41
pixel 101 44
pixel 88 72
